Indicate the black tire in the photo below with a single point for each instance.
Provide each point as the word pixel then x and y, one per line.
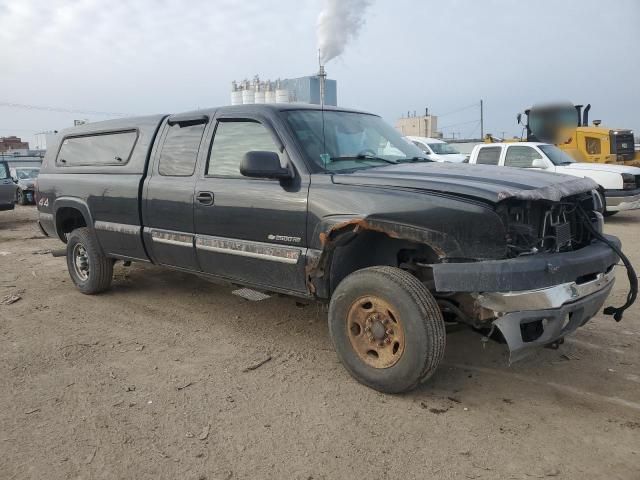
pixel 605 212
pixel 420 317
pixel 21 198
pixel 99 272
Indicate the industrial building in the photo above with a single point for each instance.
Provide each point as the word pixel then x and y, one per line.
pixel 289 90
pixel 419 126
pixel 13 145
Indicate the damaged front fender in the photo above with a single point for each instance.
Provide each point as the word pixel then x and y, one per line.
pixel 338 231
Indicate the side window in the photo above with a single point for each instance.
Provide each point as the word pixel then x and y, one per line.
pixel 488 156
pixel 420 146
pixel 4 173
pixel 593 145
pixel 180 150
pixel 520 156
pixel 102 149
pixel 232 140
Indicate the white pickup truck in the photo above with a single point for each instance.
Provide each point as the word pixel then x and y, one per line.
pixel 619 184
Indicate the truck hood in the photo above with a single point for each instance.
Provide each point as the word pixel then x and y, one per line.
pixel 484 182
pixel 601 167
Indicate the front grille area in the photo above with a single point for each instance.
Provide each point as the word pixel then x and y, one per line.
pixel 622 145
pixel 562 233
pixel 543 226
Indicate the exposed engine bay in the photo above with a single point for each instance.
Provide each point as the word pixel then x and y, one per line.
pixel 547 227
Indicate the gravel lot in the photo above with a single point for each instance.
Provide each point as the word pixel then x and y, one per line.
pixel 153 380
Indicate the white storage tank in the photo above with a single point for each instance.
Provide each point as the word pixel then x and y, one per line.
pixel 282 95
pixel 260 97
pixel 236 97
pixel 248 97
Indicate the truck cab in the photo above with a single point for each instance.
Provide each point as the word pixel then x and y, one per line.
pixel 619 185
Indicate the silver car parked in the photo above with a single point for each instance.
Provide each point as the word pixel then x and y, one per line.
pixel 25 178
pixel 7 188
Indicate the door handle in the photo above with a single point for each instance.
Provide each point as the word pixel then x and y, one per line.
pixel 205 198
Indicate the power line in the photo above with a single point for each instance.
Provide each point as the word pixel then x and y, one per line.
pixel 45 108
pixel 461 109
pixel 457 124
pixel 475 130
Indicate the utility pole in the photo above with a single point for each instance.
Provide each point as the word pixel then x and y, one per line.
pixel 481 120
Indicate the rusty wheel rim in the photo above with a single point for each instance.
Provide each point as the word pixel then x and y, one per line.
pixel 81 262
pixel 375 332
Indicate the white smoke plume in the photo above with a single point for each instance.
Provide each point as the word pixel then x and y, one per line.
pixel 338 23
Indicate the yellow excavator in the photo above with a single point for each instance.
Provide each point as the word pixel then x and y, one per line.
pixel 568 127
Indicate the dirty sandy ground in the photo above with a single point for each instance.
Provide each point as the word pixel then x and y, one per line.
pixel 152 380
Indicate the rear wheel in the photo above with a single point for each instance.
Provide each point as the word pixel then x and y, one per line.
pixel 90 270
pixel 387 328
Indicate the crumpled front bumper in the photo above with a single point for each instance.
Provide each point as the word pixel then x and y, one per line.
pixel 535 299
pixel 525 272
pixel 540 317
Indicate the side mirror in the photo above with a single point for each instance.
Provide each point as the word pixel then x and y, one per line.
pixel 261 164
pixel 538 163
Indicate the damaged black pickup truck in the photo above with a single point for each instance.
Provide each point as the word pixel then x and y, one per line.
pixel 333 205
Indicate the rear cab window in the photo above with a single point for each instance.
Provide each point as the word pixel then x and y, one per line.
pixel 111 148
pixel 488 156
pixel 180 149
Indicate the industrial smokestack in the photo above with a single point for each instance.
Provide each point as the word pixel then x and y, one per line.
pixel 339 22
pixel 322 76
pixel 585 115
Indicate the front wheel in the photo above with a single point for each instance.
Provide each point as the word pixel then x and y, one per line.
pixel 21 198
pixel 387 328
pixel 605 212
pixel 90 270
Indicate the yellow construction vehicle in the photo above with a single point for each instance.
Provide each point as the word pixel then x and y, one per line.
pixel 568 127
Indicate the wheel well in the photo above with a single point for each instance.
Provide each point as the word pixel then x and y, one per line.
pixel 371 248
pixel 67 220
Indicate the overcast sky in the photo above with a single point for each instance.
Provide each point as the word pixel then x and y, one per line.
pixel 148 56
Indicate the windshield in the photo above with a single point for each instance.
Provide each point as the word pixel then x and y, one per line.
pixel 27 173
pixel 557 156
pixel 442 148
pixel 349 141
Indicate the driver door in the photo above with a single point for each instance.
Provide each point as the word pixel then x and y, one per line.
pixel 250 229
